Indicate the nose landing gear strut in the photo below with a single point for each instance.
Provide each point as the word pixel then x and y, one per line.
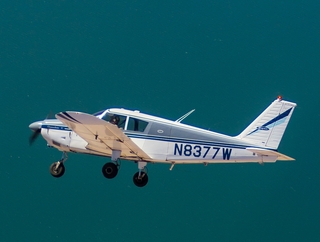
pixel 57 168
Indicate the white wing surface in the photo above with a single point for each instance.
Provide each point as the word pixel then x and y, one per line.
pixel 101 136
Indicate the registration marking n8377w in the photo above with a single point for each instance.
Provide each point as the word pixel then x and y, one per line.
pixel 201 151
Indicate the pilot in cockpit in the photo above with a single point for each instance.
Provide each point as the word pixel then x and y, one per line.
pixel 115 119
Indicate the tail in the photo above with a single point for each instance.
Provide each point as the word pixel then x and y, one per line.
pixel 267 129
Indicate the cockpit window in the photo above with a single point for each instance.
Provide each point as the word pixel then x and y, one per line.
pixel 137 125
pixel 115 119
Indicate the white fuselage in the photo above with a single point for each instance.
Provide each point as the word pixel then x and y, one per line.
pixel 205 147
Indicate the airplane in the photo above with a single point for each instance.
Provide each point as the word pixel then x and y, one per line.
pixel 123 134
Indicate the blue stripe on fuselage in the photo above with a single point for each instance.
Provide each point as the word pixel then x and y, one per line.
pixel 165 139
pixel 188 141
pixel 56 127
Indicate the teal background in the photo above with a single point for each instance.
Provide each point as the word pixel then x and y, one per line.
pixel 226 59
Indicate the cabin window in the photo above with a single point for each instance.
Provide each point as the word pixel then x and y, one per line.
pixel 115 119
pixel 137 125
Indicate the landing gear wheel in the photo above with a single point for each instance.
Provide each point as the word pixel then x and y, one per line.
pixel 57 172
pixel 110 170
pixel 140 181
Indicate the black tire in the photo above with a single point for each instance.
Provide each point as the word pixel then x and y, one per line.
pixel 57 172
pixel 142 181
pixel 110 170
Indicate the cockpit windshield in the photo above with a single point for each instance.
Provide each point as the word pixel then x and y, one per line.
pixel 98 113
pixel 123 122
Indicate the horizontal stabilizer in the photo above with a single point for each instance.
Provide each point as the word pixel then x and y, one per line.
pixel 264 152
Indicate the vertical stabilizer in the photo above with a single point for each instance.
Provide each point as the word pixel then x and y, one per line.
pixel 267 129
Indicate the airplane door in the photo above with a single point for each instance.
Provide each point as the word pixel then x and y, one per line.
pixel 156 145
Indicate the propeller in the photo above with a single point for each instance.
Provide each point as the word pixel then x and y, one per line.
pixel 34 136
pixel 50 115
pixel 36 129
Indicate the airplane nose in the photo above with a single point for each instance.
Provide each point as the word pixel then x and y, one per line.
pixel 35 126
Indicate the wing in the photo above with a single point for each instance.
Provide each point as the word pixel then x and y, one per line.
pixel 101 136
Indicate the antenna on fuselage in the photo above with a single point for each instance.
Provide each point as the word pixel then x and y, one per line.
pixel 184 116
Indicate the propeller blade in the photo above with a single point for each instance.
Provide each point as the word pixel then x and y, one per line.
pixel 50 115
pixel 34 136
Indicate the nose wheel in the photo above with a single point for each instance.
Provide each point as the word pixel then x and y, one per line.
pixel 57 168
pixel 140 179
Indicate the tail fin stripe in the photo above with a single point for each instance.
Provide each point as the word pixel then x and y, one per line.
pixel 272 121
pixel 267 129
pixel 281 116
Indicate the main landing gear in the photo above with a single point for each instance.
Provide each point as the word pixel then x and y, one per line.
pixel 109 170
pixel 57 168
pixel 140 179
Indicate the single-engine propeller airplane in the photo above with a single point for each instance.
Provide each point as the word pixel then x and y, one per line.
pixel 130 135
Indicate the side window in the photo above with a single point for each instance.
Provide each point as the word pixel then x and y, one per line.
pixel 115 119
pixel 137 125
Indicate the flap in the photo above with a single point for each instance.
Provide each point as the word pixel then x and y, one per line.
pixel 101 136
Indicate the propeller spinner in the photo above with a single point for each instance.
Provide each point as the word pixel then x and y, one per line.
pixel 36 128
